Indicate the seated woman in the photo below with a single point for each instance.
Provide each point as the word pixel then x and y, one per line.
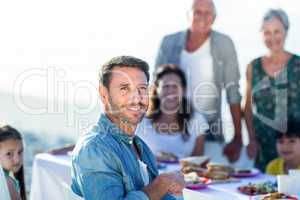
pixel 171 126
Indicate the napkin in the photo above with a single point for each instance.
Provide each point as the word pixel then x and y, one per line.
pixel 289 184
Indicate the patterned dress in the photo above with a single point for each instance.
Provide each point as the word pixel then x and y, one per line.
pixel 275 100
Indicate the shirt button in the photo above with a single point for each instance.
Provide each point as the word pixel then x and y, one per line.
pixel 130 141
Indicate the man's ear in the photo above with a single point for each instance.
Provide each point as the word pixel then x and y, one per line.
pixel 103 92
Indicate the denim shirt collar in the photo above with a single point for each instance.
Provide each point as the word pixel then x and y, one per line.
pixel 109 127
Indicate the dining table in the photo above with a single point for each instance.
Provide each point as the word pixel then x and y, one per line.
pixel 51 179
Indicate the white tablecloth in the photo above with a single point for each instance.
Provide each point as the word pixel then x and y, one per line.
pixel 51 178
pixel 224 191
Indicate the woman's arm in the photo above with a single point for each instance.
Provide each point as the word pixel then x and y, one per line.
pixel 198 125
pixel 199 146
pixel 252 147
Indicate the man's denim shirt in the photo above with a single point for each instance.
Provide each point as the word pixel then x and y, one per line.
pixel 105 166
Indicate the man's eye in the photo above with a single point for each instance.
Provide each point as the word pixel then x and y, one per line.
pixel 143 89
pixel 124 88
pixel 277 32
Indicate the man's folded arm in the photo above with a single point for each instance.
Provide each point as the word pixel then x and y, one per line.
pixel 107 185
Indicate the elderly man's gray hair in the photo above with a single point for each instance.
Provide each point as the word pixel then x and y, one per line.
pixel 213 6
pixel 278 14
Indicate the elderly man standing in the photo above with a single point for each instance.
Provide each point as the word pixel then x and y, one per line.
pixel 209 61
pixel 111 162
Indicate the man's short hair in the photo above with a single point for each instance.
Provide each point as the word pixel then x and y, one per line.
pixel 121 61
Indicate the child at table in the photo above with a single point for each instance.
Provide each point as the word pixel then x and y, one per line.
pixel 11 160
pixel 288 148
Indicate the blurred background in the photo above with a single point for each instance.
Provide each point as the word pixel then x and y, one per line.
pixel 51 51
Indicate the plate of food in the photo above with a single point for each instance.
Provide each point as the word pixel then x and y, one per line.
pixel 168 158
pixel 258 188
pixel 194 182
pixel 219 177
pixel 194 164
pixel 197 161
pixel 244 173
pixel 218 167
pixel 275 196
pixel 196 186
pixel 219 173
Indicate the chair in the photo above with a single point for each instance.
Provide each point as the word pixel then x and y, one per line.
pixel 4 194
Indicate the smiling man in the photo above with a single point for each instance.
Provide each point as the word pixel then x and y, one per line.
pixel 110 162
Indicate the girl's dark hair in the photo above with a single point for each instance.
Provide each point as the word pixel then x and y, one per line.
pixel 293 130
pixel 9 133
pixel 185 111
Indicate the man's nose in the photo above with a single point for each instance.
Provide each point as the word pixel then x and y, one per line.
pixel 136 96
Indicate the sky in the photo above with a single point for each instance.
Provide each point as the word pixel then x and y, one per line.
pixel 72 38
pixel 53 49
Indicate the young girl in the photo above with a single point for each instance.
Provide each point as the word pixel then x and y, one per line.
pixel 11 160
pixel 288 147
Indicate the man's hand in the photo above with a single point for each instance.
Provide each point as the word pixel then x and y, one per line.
pixel 252 148
pixel 178 184
pixel 233 149
pixel 165 183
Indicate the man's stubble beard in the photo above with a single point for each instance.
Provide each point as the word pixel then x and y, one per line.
pixel 115 111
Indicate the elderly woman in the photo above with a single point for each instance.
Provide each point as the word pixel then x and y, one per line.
pixel 273 95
